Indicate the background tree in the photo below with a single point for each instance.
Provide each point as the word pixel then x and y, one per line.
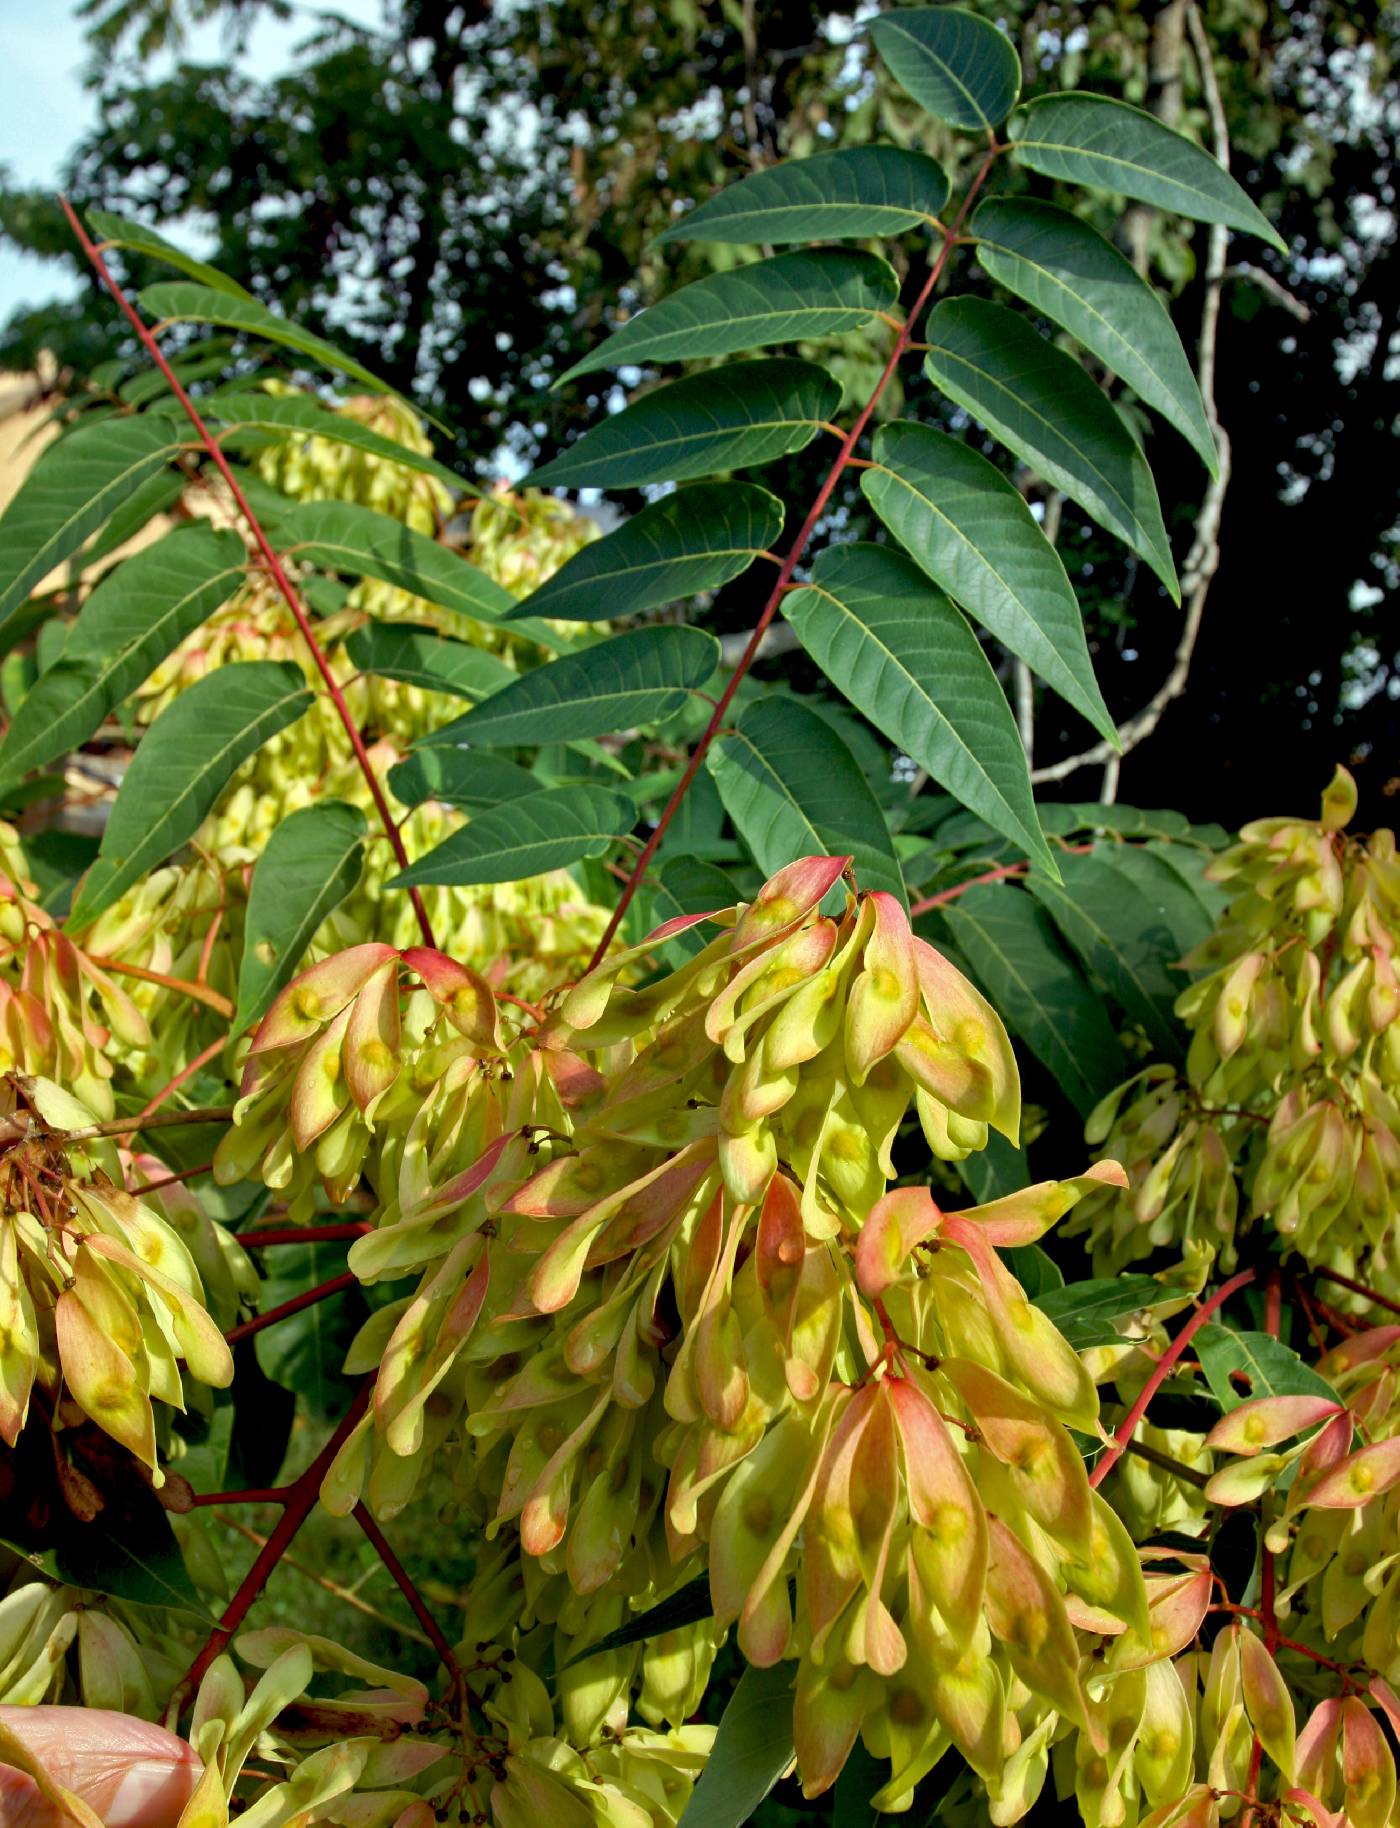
pixel 400 184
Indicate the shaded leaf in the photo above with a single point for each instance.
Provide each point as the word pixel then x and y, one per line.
pixel 434 662
pixel 181 765
pixel 460 777
pixel 860 191
pixel 959 67
pixel 1038 989
pixel 1083 1311
pixel 788 299
pixel 1047 410
pixel 686 1606
pixel 1183 918
pixel 1068 271
pixel 1119 936
pixel 752 1749
pixel 304 1353
pixel 793 789
pixel 722 419
pixel 136 238
pixel 526 836
pixel 138 614
pixel 695 539
pixel 76 483
pixel 899 650
pixel 973 534
pixel 688 885
pixel 998 1169
pixel 287 415
pixel 185 301
pixel 342 536
pixel 1033 1267
pixel 1108 145
pixel 310 864
pixel 641 677
pixel 1241 1366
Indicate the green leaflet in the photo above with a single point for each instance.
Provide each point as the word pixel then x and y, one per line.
pixel 459 777
pixel 907 659
pixel 305 1351
pixel 722 419
pixel 1184 919
pixel 1108 145
pixel 184 301
pixel 434 662
pixel 862 191
pixel 788 299
pixel 138 614
pixel 77 482
pixel 695 539
pixel 794 789
pixel 959 67
pixel 686 1606
pixel 181 766
pixel 996 1170
pixel 1068 271
pixel 1242 1366
pixel 311 863
pixel 136 238
pixel 641 677
pixel 1038 989
pixel 286 415
pixel 1083 1311
pixel 687 885
pixel 973 534
pixel 1047 410
pixel 526 836
pixel 1120 937
pixel 752 1749
pixel 342 536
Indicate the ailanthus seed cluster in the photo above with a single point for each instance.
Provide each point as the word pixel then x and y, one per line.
pixel 1286 1115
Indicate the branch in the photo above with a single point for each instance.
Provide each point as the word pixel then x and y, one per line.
pixel 1203 560
pixel 789 565
pixel 308 1298
pixel 345 1595
pixel 202 1058
pixel 1123 1434
pixel 434 1632
pixel 1358 1288
pixel 270 558
pixel 302 1234
pixel 168 1120
pixel 298 1504
pixel 1259 276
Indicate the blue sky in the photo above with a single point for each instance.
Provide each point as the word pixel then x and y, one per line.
pixel 44 108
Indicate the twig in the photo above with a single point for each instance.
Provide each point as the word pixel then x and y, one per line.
pixel 1358 1288
pixel 433 1631
pixel 302 1234
pixel 1259 276
pixel 172 1180
pixel 298 1504
pixel 199 993
pixel 163 1120
pixel 1161 1371
pixel 790 563
pixel 1001 873
pixel 1141 1451
pixel 202 1058
pixel 284 1310
pixel 346 1595
pixel 1203 560
pixel 270 558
